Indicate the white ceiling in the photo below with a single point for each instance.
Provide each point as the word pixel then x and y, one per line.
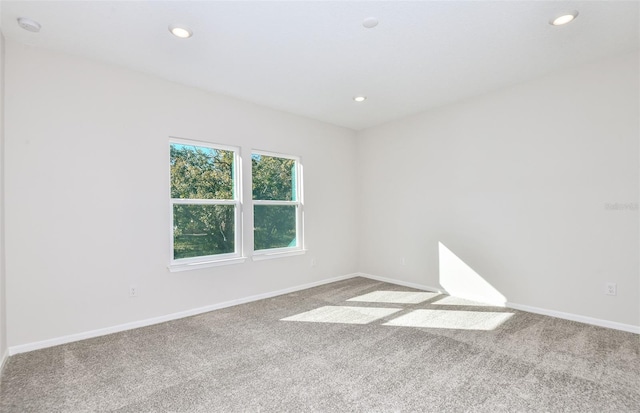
pixel 311 57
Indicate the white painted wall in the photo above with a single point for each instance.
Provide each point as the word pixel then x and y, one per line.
pixel 3 294
pixel 87 195
pixel 516 184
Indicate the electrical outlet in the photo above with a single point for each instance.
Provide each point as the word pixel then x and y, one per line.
pixel 611 289
pixel 133 291
pixel 314 262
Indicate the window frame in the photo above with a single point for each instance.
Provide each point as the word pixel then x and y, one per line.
pixel 182 264
pixel 298 203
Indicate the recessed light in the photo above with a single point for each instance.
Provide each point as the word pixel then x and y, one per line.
pixel 360 98
pixel 28 24
pixel 370 22
pixel 564 19
pixel 181 32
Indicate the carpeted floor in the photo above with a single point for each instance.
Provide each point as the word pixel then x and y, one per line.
pixel 319 350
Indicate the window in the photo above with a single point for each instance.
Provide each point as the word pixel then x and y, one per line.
pixel 205 204
pixel 277 203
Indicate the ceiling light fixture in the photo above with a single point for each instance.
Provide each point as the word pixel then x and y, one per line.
pixel 181 32
pixel 28 24
pixel 564 19
pixel 360 98
pixel 370 22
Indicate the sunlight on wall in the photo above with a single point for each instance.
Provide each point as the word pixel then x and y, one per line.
pixel 460 280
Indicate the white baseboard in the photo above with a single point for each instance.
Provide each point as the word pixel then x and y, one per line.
pixel 400 282
pixel 3 359
pixel 552 313
pixel 575 317
pixel 188 313
pixel 23 348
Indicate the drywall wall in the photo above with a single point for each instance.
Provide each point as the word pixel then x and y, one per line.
pixel 87 195
pixel 530 192
pixel 3 291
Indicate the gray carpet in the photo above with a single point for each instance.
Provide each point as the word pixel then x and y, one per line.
pixel 320 350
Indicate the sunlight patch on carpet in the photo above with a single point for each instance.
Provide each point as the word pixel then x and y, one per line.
pixel 344 315
pixel 396 297
pixel 449 300
pixel 458 320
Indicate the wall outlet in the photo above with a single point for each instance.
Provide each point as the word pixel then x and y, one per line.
pixel 314 262
pixel 133 291
pixel 611 289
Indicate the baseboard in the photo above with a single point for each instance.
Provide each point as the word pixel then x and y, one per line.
pixel 400 282
pixel 575 317
pixel 552 313
pixel 23 348
pixel 188 313
pixel 3 360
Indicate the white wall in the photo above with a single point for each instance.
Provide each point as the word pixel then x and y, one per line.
pixel 3 301
pixel 516 184
pixel 87 195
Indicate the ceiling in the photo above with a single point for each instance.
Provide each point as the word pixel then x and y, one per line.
pixel 312 57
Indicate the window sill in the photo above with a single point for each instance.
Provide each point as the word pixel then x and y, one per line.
pixel 205 264
pixel 279 254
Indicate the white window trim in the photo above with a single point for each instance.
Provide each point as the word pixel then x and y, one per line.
pixel 217 261
pixel 299 249
pixel 237 257
pixel 277 253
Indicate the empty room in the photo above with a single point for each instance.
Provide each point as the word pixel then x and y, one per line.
pixel 319 206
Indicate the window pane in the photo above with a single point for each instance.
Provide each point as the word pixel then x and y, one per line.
pixel 274 226
pixel 200 230
pixel 198 172
pixel 273 178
